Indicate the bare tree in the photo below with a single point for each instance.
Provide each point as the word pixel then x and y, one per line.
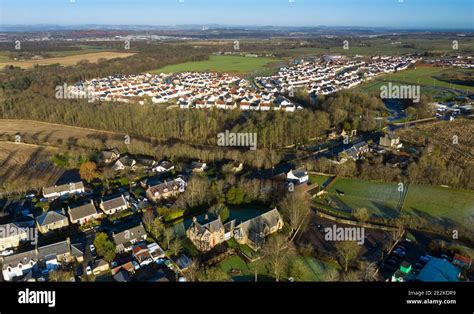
pixel 332 275
pixel 347 251
pixel 168 235
pixel 368 271
pixel 275 250
pixel 295 208
pixel 175 247
pixel 192 271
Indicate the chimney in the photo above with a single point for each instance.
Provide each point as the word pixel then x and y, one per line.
pixel 206 217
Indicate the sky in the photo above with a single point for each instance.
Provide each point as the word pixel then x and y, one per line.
pixel 446 14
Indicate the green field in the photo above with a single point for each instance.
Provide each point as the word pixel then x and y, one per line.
pixel 311 268
pixel 441 205
pixel 395 46
pixel 320 180
pixel 222 64
pixel 379 198
pixel 428 77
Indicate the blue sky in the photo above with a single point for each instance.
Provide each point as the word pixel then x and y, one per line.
pixel 369 13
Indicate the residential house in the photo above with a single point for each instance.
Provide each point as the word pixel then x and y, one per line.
pixel 63 190
pixel 164 166
pixel 142 254
pixel 156 251
pixel 12 235
pixel 52 256
pixel 83 214
pixel 125 162
pixel 114 205
pixel 198 167
pixel 50 221
pixel 46 258
pixel 355 152
pixel 254 231
pixel 390 141
pixel 110 156
pixel 19 265
pixel 166 190
pixel 100 266
pixel 124 240
pixel 298 176
pixel 205 236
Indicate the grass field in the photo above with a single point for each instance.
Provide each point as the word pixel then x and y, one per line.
pixel 67 60
pixel 380 199
pixel 23 165
pixel 320 180
pixel 311 268
pixel 395 46
pixel 426 76
pixel 441 205
pixel 222 64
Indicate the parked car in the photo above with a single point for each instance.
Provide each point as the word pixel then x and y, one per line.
pixel 88 270
pixel 92 247
pixel 399 253
pixel 425 259
pixel 136 266
pixel 7 252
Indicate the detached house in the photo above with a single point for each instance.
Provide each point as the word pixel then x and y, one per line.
pixel 83 214
pixel 114 205
pixel 63 190
pixel 50 221
pixel 110 156
pixel 298 176
pixel 124 240
pixel 166 190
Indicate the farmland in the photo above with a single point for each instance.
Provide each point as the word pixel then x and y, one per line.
pixel 427 77
pixel 25 165
pixel 222 64
pixel 66 60
pixel 49 133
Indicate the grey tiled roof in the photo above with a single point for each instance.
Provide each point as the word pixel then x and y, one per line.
pixel 49 218
pixel 82 211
